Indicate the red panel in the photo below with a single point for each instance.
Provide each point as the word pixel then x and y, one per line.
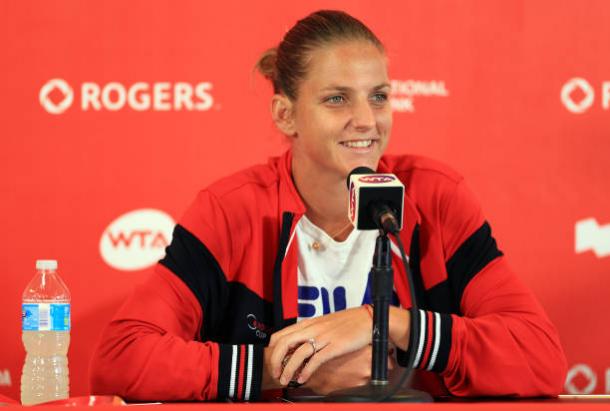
pixel 495 114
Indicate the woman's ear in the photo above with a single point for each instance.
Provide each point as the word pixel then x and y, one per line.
pixel 282 112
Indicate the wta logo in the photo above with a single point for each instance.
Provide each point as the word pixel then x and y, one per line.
pixel 137 239
pixel 578 95
pixel 57 96
pixel 376 179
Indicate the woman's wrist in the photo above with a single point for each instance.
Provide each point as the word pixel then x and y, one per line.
pixel 400 327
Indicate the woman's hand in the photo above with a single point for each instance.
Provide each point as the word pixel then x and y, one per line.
pixel 269 382
pixel 331 335
pixel 291 350
pixel 349 370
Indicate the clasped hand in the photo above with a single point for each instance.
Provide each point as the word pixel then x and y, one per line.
pixel 342 354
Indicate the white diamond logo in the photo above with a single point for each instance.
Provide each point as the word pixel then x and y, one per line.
pixel 583 86
pixel 45 96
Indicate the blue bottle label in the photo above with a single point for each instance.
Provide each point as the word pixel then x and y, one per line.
pixel 45 317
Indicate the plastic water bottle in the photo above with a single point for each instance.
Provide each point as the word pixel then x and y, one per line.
pixel 46 336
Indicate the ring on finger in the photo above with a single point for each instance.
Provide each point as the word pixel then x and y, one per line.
pixel 285 360
pixel 314 347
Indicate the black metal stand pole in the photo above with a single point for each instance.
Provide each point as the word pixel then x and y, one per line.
pixel 381 292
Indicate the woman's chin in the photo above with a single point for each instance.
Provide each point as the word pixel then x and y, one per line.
pixel 362 162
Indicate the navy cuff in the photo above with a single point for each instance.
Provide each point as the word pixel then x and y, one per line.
pixel 433 344
pixel 240 372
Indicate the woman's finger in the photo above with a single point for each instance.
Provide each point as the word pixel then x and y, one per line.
pixel 288 330
pixel 281 349
pixel 314 362
pixel 296 361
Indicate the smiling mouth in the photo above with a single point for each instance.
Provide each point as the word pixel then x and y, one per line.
pixel 358 143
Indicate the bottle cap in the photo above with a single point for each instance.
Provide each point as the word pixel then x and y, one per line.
pixel 46 264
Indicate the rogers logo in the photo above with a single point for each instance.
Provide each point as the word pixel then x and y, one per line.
pixel 583 103
pixel 581 380
pixel 139 96
pixel 376 179
pixel 578 96
pixel 46 99
pixel 137 239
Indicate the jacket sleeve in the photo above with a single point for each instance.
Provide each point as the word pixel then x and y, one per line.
pixel 501 343
pixel 153 350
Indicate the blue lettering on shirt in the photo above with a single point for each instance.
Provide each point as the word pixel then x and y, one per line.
pixel 308 295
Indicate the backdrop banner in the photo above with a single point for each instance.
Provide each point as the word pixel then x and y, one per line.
pixel 115 114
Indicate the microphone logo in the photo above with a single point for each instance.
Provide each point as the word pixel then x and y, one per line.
pixel 376 179
pixel 352 202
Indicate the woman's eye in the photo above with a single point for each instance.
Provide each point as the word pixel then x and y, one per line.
pixel 335 99
pixel 380 97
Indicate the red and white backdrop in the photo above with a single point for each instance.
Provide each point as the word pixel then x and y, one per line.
pixel 115 114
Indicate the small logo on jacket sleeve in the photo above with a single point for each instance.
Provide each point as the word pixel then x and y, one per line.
pixel 261 330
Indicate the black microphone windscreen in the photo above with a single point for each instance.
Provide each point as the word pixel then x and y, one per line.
pixel 359 170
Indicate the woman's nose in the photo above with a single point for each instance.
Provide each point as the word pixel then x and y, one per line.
pixel 363 116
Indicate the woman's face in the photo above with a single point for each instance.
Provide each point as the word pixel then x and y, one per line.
pixel 342 115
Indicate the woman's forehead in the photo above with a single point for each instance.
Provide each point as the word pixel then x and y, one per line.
pixel 352 65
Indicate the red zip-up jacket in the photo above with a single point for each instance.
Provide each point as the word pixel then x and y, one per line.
pixel 196 329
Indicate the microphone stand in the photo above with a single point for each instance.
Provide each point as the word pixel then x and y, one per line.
pixel 381 293
pixel 379 387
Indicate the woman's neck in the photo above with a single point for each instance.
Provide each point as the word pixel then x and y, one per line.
pixel 326 197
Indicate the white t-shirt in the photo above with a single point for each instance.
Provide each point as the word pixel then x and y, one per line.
pixel 332 275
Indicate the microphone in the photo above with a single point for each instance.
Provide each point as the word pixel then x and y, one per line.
pixel 375 200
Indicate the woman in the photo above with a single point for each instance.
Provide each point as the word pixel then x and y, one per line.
pixel 265 280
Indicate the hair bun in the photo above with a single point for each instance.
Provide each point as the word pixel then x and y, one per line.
pixel 266 64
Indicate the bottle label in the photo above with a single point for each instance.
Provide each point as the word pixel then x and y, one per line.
pixel 45 317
